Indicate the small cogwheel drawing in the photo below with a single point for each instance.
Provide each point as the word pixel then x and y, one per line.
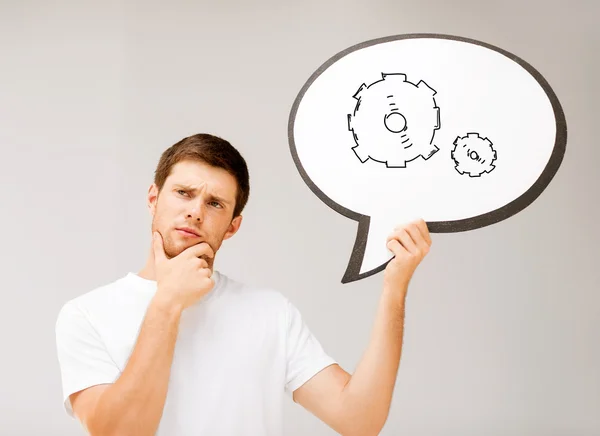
pixel 473 155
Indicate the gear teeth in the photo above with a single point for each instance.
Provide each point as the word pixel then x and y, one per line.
pixel 425 87
pixel 360 154
pixel 396 164
pixel 435 118
pixel 472 135
pixel 433 150
pixel 358 91
pixel 394 76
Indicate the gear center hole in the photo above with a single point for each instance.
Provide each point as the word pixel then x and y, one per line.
pixel 395 122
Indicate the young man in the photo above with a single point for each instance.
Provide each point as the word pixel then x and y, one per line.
pixel 179 349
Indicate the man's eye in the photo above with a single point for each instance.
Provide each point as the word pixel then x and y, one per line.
pixel 215 204
pixel 182 192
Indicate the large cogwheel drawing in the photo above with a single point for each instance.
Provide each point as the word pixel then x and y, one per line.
pixel 473 155
pixel 394 121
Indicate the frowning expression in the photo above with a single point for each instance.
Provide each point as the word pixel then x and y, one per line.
pixel 195 205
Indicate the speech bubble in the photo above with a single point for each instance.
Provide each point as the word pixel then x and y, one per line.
pixel 452 130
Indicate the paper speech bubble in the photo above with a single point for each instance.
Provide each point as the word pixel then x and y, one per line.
pixel 452 130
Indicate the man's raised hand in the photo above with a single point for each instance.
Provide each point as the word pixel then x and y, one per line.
pixel 410 243
pixel 185 278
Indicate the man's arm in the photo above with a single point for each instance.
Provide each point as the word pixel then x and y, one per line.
pixel 359 404
pixel 133 405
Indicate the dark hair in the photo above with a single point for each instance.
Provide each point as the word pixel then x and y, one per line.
pixel 214 151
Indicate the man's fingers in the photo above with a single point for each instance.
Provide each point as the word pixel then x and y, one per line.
pixel 205 272
pixel 158 248
pixel 414 237
pixel 202 264
pixel 416 234
pixel 422 225
pixel 394 246
pixel 406 240
pixel 202 249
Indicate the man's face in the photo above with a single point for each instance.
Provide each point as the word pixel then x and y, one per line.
pixel 198 197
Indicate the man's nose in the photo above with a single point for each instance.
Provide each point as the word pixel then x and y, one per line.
pixel 197 212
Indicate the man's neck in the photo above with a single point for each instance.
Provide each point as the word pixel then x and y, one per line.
pixel 148 272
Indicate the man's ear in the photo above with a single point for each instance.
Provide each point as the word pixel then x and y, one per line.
pixel 233 227
pixel 152 198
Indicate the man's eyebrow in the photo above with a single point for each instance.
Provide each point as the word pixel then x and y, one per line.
pixel 194 190
pixel 219 199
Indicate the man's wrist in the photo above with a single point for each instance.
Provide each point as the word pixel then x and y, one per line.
pixel 395 288
pixel 395 291
pixel 163 303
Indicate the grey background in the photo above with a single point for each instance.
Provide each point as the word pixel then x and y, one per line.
pixel 501 330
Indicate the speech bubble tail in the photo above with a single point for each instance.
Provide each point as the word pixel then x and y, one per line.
pixel 358 252
pixel 370 254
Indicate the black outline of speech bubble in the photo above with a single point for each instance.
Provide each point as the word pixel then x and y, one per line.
pixel 486 219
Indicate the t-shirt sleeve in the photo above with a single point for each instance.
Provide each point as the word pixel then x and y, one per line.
pixel 82 355
pixel 305 355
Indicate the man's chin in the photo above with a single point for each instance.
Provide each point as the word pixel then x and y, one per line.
pixel 177 249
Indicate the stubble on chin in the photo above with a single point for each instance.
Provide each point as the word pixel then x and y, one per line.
pixel 173 250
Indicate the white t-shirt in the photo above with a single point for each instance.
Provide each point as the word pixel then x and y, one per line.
pixel 239 350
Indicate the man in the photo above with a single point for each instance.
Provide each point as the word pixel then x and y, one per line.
pixel 180 349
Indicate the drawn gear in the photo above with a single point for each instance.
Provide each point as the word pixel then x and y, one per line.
pixel 473 155
pixel 394 121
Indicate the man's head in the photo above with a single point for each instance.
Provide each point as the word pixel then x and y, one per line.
pixel 201 183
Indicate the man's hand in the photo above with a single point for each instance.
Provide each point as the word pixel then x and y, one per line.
pixel 410 243
pixel 184 279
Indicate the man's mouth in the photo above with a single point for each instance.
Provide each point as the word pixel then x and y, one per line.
pixel 185 231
